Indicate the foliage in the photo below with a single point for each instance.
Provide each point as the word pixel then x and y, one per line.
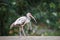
pixel 46 12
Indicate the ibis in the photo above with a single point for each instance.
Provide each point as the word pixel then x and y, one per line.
pixel 21 21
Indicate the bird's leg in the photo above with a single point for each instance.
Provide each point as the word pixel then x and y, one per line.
pixel 22 30
pixel 23 24
pixel 29 28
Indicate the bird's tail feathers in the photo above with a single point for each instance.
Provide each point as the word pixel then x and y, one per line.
pixel 11 26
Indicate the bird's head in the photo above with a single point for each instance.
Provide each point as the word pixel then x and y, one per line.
pixel 30 15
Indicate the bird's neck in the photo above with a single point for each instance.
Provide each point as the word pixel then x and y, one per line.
pixel 29 17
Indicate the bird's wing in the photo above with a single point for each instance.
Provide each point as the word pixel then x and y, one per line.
pixel 20 20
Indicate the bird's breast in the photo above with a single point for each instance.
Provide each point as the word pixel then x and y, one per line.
pixel 27 21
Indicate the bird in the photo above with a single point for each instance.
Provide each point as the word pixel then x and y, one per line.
pixel 22 21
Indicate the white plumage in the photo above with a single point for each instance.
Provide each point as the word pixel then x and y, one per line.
pixel 22 21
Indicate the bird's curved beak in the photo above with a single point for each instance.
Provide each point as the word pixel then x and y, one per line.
pixel 33 18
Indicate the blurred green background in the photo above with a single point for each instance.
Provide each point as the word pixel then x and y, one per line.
pixel 46 12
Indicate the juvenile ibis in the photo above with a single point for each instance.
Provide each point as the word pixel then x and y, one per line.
pixel 22 21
